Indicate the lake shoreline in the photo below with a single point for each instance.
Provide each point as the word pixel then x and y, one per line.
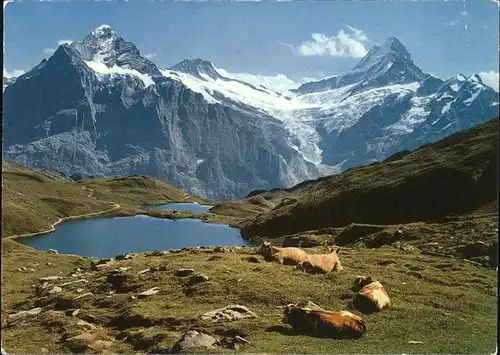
pixel 119 211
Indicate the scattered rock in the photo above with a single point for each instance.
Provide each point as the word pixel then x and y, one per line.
pixel 81 342
pixel 184 272
pixel 72 312
pixel 53 251
pixel 195 339
pixel 80 290
pixel 196 279
pixel 223 250
pixel 234 343
pixel 215 257
pixel 43 286
pixel 143 271
pixel 84 324
pixel 229 313
pixel 84 295
pixel 125 256
pixel 300 242
pixel 55 289
pixel 73 282
pixel 15 317
pixel 50 278
pixel 101 263
pixel 48 264
pixel 123 269
pixel 415 342
pixel 150 292
pixel 132 297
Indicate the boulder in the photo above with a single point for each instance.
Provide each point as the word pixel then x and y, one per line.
pixel 53 251
pixel 125 256
pixel 15 317
pixel 229 313
pixel 150 292
pixel 84 295
pixel 195 339
pixel 55 289
pixel 84 324
pixel 50 278
pixel 72 312
pixel 234 343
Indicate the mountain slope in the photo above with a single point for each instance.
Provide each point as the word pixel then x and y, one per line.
pixel 97 108
pixel 32 200
pixel 456 175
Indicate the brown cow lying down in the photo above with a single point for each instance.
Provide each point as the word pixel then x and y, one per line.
pixel 288 255
pixel 323 323
pixel 371 296
pixel 322 263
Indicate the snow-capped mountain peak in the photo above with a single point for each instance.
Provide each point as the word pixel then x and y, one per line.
pixel 391 50
pixel 198 68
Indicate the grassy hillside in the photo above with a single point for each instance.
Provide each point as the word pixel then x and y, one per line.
pixel 455 176
pixel 398 221
pixel 448 305
pixel 32 201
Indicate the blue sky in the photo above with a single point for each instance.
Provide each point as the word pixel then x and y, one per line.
pixel 298 40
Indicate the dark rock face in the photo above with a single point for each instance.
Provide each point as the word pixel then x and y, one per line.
pixel 62 115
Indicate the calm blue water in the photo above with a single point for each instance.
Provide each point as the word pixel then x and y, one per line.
pixel 108 237
pixel 193 207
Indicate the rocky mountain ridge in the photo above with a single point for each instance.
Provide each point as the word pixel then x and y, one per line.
pixel 99 108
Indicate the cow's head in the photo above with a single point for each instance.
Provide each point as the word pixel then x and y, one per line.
pixel 265 249
pixel 360 282
pixel 286 312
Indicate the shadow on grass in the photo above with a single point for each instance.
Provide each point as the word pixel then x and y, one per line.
pixel 282 330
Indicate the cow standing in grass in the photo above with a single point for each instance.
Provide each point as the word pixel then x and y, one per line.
pixel 288 255
pixel 322 323
pixel 322 263
pixel 371 295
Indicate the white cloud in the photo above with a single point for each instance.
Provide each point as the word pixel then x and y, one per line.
pixel 149 55
pixel 464 13
pixel 49 51
pixel 346 43
pixel 490 78
pixel 14 73
pixel 64 41
pixel 452 23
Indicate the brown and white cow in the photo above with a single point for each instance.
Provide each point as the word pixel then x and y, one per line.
pixel 323 323
pixel 322 263
pixel 371 295
pixel 288 255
